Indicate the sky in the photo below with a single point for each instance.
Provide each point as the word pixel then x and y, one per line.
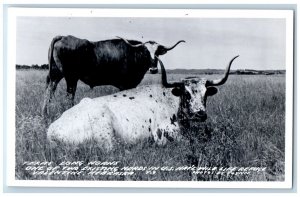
pixel 210 43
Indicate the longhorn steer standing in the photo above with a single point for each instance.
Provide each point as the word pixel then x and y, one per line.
pixel 118 62
pixel 151 111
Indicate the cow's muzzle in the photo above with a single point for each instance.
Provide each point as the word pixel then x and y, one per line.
pixel 200 116
pixel 153 70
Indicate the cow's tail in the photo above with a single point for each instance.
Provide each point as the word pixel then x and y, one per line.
pixel 51 62
pixel 50 76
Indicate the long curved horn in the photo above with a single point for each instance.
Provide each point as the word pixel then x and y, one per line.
pixel 164 77
pixel 221 81
pixel 137 45
pixel 172 47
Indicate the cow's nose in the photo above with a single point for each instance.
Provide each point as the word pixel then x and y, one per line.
pixel 153 70
pixel 201 115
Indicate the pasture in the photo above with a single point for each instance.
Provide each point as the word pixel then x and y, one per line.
pixel 246 126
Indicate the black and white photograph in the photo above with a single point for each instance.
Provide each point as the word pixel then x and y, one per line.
pixel 183 98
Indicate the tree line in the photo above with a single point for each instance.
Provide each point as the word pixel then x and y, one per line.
pixel 33 66
pixel 184 71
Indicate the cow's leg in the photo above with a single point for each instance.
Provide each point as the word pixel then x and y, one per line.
pixel 71 89
pixel 51 84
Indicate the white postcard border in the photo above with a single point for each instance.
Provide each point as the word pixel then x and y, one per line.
pixel 13 13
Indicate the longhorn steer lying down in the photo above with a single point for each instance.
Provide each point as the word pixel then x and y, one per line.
pixel 153 111
pixel 118 62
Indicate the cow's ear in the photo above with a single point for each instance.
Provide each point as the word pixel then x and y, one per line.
pixel 211 91
pixel 177 91
pixel 161 50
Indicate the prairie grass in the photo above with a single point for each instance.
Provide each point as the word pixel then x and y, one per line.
pixel 245 128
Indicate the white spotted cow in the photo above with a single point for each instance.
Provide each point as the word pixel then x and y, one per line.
pixel 151 111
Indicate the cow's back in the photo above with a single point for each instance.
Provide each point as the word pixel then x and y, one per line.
pixel 138 112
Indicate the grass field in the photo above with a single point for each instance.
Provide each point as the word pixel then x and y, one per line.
pixel 246 120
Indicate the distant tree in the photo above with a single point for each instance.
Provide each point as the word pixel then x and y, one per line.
pixel 35 66
pixel 22 66
pixel 44 66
